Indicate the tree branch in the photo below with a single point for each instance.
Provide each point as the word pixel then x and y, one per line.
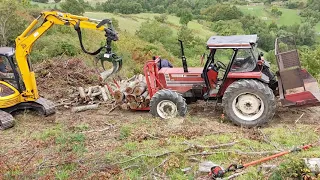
pixel 142 155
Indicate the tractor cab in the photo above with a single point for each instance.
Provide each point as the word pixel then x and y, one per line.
pixel 245 62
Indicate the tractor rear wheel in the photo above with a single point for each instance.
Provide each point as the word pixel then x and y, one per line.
pixel 167 104
pixel 249 103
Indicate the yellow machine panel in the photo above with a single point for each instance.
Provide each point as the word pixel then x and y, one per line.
pixel 9 96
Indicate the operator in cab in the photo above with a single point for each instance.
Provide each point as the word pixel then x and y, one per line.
pixel 163 63
pixel 5 72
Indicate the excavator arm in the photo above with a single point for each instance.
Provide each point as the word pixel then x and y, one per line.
pixel 26 40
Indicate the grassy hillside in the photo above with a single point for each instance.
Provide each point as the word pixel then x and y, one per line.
pixel 288 17
pixel 131 23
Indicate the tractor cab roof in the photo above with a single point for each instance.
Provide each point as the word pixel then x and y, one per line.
pixel 6 51
pixel 237 41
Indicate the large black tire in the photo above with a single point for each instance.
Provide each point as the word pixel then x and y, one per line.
pixel 171 101
pixel 243 93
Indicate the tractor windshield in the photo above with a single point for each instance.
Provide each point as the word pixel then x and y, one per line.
pixel 245 61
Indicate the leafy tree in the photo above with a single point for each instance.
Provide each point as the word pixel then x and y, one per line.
pixel 226 28
pixel 186 35
pixel 222 12
pixel 162 18
pixel 153 31
pixel 73 7
pixel 185 18
pixel 57 1
pixel 11 24
pixel 276 12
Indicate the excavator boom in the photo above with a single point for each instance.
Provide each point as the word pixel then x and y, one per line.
pixel 26 96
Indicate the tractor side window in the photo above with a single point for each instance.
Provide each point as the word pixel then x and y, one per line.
pixel 244 61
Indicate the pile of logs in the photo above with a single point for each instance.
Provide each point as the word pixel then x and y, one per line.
pixel 133 94
pixel 127 94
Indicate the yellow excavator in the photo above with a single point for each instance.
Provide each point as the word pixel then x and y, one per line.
pixel 18 88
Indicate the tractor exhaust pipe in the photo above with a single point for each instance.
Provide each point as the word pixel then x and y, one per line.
pixel 184 60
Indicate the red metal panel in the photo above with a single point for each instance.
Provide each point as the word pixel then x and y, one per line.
pixel 225 85
pixel 245 75
pixel 301 98
pixel 180 71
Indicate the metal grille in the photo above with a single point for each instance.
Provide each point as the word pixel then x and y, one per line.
pixel 289 59
pixel 288 63
pixel 291 79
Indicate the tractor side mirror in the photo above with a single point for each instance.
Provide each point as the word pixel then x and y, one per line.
pixel 261 54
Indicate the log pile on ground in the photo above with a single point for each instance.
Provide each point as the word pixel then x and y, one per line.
pixel 126 94
pixel 132 93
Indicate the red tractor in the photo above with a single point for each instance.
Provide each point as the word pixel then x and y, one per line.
pixel 245 86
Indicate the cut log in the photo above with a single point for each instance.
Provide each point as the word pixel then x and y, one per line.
pixel 130 98
pixel 104 94
pixel 82 93
pixel 96 94
pixel 130 87
pixel 133 105
pixel 132 78
pixel 139 89
pixel 142 97
pixel 84 108
pixel 119 96
pixel 89 91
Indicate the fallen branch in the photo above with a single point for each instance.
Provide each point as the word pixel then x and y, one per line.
pixel 112 109
pixel 142 155
pixel 268 141
pixel 235 175
pixel 153 169
pixel 30 159
pixel 84 108
pixel 210 147
pixel 236 152
pixel 299 118
pixel 99 130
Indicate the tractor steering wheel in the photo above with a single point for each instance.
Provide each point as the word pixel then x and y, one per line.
pixel 219 65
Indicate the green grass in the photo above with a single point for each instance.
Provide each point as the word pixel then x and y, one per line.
pixel 288 17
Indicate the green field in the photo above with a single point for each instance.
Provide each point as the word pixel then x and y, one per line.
pixel 288 17
pixel 131 23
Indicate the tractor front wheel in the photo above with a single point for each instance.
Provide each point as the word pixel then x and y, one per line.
pixel 167 104
pixel 249 103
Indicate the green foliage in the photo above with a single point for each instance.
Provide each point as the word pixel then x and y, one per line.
pixel 226 28
pixel 186 35
pixel 125 132
pixel 222 12
pixel 293 168
pixel 162 18
pixel 185 18
pixel 153 31
pixel 11 23
pixel 57 1
pixel 41 1
pixel 73 6
pixel 275 11
pixel 310 60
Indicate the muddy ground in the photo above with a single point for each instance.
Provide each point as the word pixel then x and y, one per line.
pixel 122 144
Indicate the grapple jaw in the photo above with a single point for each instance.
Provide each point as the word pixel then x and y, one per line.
pixel 116 64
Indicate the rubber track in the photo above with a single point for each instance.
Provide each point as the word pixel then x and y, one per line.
pixel 6 120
